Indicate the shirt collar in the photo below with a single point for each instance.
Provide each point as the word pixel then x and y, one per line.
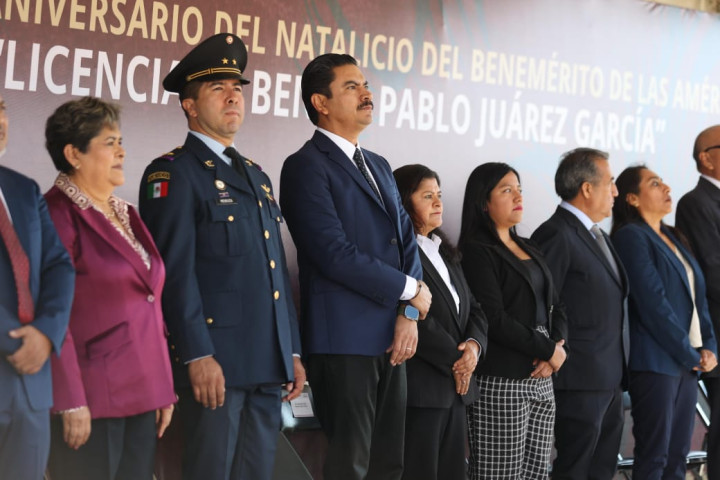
pixel 216 147
pixel 343 144
pixel 584 219
pixel 431 243
pixel 712 180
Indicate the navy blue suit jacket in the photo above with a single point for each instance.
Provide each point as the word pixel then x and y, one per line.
pixel 354 252
pixel 661 304
pixel 227 291
pixel 52 280
pixel 595 302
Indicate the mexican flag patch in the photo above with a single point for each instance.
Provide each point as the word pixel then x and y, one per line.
pixel 158 190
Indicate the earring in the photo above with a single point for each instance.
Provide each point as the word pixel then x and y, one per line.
pixel 77 167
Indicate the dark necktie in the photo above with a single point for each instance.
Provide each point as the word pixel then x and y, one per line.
pixel 236 161
pixel 600 239
pixel 358 158
pixel 20 266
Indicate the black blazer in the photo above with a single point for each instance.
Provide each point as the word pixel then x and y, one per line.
pixel 501 284
pixel 595 301
pixel 698 217
pixel 429 373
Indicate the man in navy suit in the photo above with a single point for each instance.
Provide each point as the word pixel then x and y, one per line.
pixel 360 276
pixel 594 288
pixel 25 345
pixel 698 217
pixel 228 304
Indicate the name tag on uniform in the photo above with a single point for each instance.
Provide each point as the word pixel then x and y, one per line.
pixel 226 201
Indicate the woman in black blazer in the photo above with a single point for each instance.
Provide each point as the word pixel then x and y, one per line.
pixel 511 425
pixel 451 339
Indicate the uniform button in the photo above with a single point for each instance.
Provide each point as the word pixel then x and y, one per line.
pixel 278 219
pixel 172 347
pixel 272 264
pixel 260 203
pixel 177 359
pixel 231 218
pixel 393 241
pixel 276 295
pixel 151 298
pixel 209 321
pixel 267 234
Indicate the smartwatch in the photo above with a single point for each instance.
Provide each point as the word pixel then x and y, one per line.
pixel 409 312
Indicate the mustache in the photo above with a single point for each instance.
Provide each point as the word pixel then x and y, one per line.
pixel 367 103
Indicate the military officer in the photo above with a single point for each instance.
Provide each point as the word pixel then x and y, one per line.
pixel 228 305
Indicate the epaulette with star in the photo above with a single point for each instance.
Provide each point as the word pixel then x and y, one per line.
pixel 173 154
pixel 250 163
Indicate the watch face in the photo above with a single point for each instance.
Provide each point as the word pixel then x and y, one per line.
pixel 411 312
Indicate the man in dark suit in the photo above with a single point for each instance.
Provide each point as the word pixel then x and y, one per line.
pixel 228 305
pixel 593 286
pixel 36 292
pixel 359 276
pixel 698 217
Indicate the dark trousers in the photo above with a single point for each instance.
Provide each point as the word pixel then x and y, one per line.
pixel 360 402
pixel 435 443
pixel 663 411
pixel 713 449
pixel 234 442
pixel 588 429
pixel 24 432
pixel 118 449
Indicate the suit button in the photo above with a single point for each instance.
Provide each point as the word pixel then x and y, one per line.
pixel 393 241
pixel 231 218
pixel 177 359
pixel 276 295
pixel 267 234
pixel 172 347
pixel 151 298
pixel 260 203
pixel 209 321
pixel 272 264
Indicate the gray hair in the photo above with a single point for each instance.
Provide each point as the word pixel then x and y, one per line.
pixel 577 167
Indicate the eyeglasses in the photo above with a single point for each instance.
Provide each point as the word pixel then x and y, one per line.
pixel 711 148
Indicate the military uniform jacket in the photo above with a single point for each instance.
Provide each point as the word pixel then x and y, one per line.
pixel 227 291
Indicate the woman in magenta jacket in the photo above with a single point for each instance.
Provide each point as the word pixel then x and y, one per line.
pixel 113 390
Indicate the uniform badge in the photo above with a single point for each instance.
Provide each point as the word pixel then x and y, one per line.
pixel 158 176
pixel 157 190
pixel 209 164
pixel 266 189
pixel 219 184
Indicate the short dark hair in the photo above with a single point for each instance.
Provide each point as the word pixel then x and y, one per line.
pixel 76 123
pixel 577 167
pixel 476 219
pixel 317 77
pixel 408 179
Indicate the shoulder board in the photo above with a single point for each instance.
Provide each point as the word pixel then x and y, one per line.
pixel 250 163
pixel 173 154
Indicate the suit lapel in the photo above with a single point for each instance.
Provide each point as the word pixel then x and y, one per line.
pixel 587 238
pixel 335 154
pixel 441 287
pixel 18 212
pixel 97 223
pixel 669 254
pixel 709 189
pixel 223 172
